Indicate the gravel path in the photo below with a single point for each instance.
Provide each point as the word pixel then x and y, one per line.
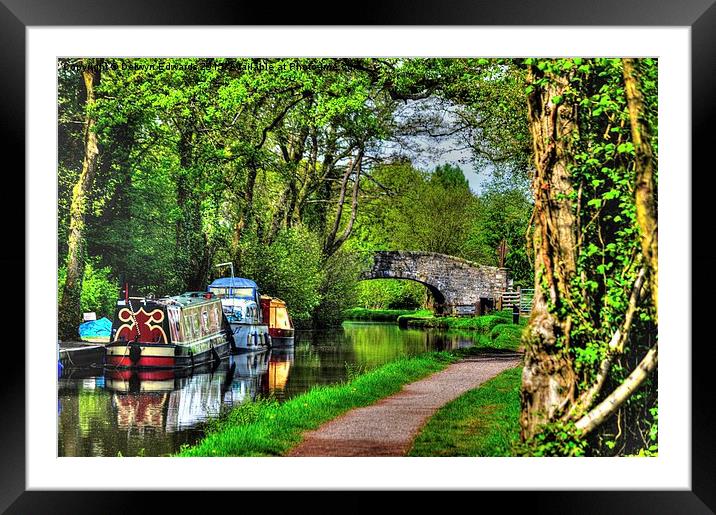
pixel 388 427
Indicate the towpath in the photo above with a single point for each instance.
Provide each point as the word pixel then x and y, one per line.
pixel 388 427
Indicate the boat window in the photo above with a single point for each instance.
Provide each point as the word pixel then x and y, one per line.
pixel 204 322
pixel 282 320
pixel 221 292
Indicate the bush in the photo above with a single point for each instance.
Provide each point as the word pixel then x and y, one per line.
pixel 289 268
pixel 390 294
pixel 99 289
pixel 338 288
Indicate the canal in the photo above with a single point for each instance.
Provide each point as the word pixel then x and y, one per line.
pixel 153 413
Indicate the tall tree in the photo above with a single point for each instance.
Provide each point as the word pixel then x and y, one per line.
pixel 548 377
pixel 591 340
pixel 69 314
pixel 645 203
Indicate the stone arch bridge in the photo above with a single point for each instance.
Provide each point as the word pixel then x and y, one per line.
pixel 452 281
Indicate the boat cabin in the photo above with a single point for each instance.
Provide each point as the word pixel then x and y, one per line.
pixel 275 313
pixel 239 298
pixel 180 319
pixel 170 332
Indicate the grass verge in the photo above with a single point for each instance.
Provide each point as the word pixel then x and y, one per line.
pixel 481 422
pixel 483 323
pixel 267 428
pixel 382 315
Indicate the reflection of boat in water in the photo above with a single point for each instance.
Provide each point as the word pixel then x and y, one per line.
pixel 279 322
pixel 240 300
pixel 174 400
pixel 279 368
pixel 249 376
pixel 168 399
pixel 172 332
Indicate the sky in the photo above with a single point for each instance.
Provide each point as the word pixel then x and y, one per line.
pixel 433 137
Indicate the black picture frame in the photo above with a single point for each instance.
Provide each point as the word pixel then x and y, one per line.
pixel 17 15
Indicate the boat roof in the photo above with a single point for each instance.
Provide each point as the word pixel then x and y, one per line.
pixel 274 301
pixel 190 298
pixel 233 282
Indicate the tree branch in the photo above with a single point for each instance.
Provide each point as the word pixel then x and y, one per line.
pixel 608 406
pixel 616 346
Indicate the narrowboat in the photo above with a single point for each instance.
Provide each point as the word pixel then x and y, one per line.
pixel 240 300
pixel 279 322
pixel 172 332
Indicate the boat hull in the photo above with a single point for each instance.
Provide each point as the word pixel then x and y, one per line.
pixel 281 337
pixel 80 354
pixel 166 356
pixel 250 337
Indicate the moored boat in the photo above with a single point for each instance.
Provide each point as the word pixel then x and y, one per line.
pixel 240 301
pixel 279 322
pixel 172 332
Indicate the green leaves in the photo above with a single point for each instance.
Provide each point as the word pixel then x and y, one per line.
pixel 626 148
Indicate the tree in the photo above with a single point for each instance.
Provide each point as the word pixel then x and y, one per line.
pixel 548 377
pixel 69 307
pixel 503 213
pixel 450 177
pixel 645 203
pixel 595 259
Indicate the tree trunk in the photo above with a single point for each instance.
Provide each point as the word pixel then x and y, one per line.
pixel 548 378
pixel 69 313
pixel 645 188
pixel 191 242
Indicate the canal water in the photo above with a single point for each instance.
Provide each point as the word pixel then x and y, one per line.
pixel 153 413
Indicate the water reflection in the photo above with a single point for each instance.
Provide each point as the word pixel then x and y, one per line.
pixel 153 413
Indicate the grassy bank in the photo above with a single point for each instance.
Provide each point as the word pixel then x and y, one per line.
pixel 484 323
pixel 382 315
pixel 267 428
pixel 481 422
pixel 497 327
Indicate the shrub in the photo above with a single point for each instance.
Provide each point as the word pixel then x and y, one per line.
pixel 390 294
pixel 99 289
pixel 288 268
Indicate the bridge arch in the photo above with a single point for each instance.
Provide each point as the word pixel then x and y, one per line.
pixel 451 280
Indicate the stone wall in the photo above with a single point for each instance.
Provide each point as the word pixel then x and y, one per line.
pixel 451 280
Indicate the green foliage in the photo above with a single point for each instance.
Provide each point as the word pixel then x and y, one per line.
pixel 425 212
pixel 556 439
pixel 502 334
pixel 338 289
pixel 289 268
pixel 505 336
pixel 390 294
pixel 503 212
pixel 211 160
pixel 608 244
pixel 381 315
pixel 651 445
pixel 450 177
pixel 99 289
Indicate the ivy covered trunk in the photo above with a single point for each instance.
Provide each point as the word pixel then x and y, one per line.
pixel 548 378
pixel 69 311
pixel 645 190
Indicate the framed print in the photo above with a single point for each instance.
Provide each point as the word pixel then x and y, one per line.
pixel 41 39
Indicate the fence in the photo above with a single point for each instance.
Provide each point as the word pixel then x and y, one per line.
pixel 521 297
pixel 526 300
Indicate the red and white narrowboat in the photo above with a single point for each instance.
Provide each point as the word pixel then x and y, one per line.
pixel 172 332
